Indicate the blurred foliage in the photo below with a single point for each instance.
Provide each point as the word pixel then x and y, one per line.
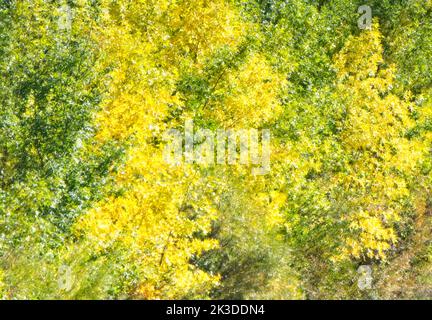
pixel 89 209
pixel 51 168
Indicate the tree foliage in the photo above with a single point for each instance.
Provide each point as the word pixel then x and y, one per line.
pixel 89 208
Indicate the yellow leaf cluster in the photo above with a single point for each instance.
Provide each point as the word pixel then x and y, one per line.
pixel 373 136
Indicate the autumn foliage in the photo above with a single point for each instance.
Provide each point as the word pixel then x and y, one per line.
pixel 90 209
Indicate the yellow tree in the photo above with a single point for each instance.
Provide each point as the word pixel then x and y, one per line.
pixel 379 158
